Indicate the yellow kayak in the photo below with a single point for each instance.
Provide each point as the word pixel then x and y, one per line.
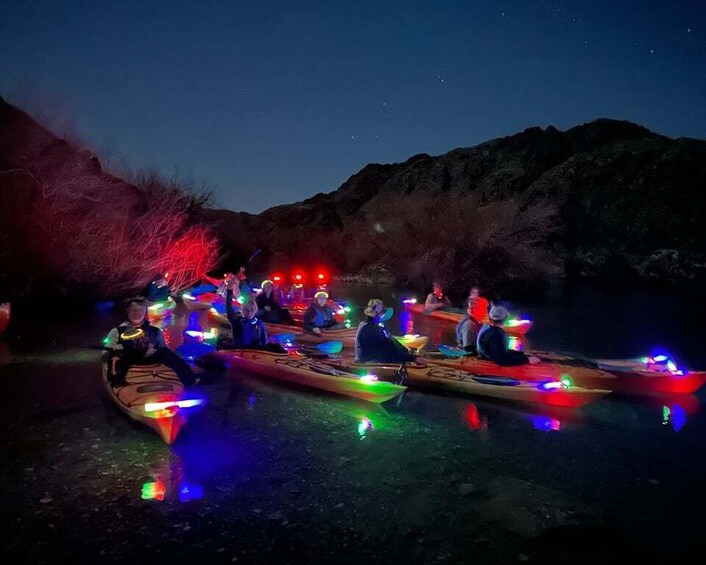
pixel 154 396
pixel 304 371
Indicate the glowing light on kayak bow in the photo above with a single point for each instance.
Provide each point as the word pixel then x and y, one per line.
pixel 153 491
pixel 566 380
pixel 552 385
pixel 545 424
pixel 409 301
pixel 187 296
pixel 369 378
pixel 514 322
pixel 159 406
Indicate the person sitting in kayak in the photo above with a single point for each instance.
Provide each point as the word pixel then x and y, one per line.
pixel 269 309
pixel 319 315
pixel 479 306
pixel 136 342
pixel 436 300
pixel 467 330
pixel 476 316
pixel 492 342
pixel 248 330
pixel 159 289
pixel 373 343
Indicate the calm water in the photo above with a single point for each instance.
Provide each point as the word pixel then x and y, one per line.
pixel 267 473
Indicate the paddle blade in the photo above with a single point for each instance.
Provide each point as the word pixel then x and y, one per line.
pixel 283 338
pixel 330 347
pixel 389 312
pixel 447 351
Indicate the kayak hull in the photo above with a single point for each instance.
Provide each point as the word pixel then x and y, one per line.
pixel 149 384
pixel 307 372
pixel 516 327
pixel 452 380
pixel 628 379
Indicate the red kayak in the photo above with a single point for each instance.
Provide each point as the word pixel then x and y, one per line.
pixel 627 376
pixel 512 326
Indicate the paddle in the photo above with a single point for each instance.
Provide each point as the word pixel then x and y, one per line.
pixel 284 338
pixel 327 347
pixel 389 312
pixel 330 347
pixel 448 351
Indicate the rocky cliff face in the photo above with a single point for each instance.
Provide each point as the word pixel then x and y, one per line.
pixel 604 199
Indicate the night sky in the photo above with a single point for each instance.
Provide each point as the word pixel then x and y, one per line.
pixel 270 102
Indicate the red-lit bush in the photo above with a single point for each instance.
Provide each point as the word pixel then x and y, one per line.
pixel 67 223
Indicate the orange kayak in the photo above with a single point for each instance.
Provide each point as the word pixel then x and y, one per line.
pixel 511 326
pixel 447 379
pixel 629 379
pixel 154 396
pixel 304 371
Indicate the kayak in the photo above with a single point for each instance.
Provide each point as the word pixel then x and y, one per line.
pixel 304 371
pixel 549 392
pixel 4 316
pixel 153 396
pixel 346 335
pixel 512 326
pixel 631 376
pixel 626 377
pixel 160 308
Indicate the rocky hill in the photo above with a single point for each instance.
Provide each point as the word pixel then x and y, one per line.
pixel 605 199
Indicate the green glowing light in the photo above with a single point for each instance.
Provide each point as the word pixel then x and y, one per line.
pixel 365 426
pixel 666 413
pixel 153 491
pixel 566 381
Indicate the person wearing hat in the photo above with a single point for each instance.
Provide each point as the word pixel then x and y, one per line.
pixel 269 309
pixel 320 315
pixel 492 342
pixel 137 342
pixel 436 300
pixel 373 343
pixel 249 332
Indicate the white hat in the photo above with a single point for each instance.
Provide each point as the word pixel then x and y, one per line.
pixel 498 313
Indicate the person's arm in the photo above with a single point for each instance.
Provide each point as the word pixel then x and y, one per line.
pixel 159 338
pixel 263 333
pixel 309 319
pixel 112 340
pixel 429 303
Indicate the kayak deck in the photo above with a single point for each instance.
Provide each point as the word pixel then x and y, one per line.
pixel 448 379
pixel 147 386
pixel 304 371
pixel 622 378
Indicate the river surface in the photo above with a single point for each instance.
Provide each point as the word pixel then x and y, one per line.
pixel 266 473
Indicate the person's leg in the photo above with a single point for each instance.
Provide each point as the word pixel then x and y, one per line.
pixel 177 364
